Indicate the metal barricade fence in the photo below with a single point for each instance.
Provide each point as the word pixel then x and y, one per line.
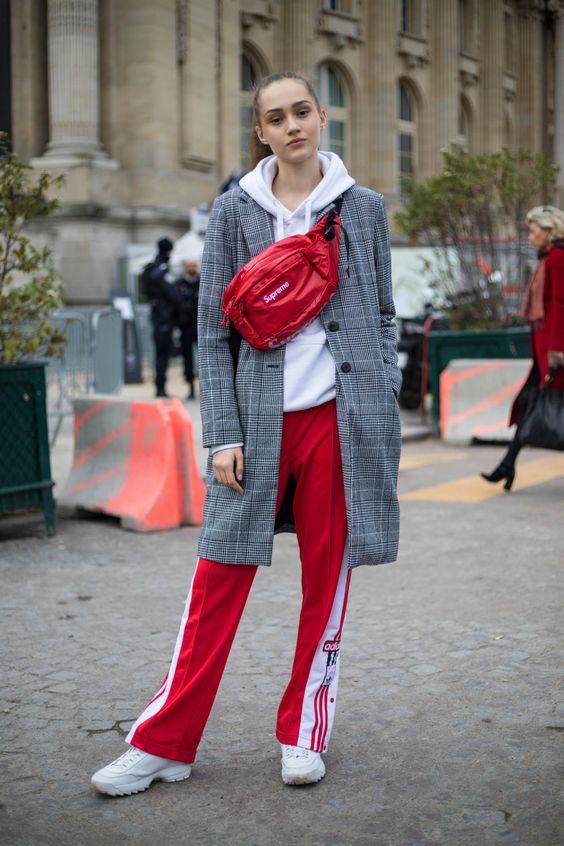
pixel 145 329
pixel 107 351
pixel 92 360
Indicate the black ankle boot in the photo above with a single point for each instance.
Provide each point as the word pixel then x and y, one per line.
pixel 503 471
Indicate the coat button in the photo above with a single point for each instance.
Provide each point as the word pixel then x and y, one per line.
pixel 333 326
pixel 345 367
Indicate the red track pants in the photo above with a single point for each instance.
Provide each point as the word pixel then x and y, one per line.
pixel 173 722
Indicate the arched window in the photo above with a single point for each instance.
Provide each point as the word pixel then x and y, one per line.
pixel 407 126
pixel 333 97
pixel 249 77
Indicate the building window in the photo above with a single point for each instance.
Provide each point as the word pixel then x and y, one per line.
pixel 462 33
pixel 337 6
pixel 333 97
pixel 405 154
pixel 509 43
pixel 405 107
pixel 249 78
pixel 410 20
pixel 406 116
pixel 464 125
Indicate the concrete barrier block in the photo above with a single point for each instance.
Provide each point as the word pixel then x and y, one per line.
pixel 135 460
pixel 476 398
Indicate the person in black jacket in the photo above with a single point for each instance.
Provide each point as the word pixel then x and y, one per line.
pixel 188 285
pixel 161 291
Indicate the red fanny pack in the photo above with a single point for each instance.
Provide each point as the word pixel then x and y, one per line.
pixel 280 291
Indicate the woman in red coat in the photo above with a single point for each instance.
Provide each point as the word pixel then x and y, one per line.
pixel 543 306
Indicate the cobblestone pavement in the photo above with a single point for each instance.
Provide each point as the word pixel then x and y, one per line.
pixel 451 714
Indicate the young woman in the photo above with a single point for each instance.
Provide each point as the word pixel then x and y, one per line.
pixel 543 307
pixel 303 437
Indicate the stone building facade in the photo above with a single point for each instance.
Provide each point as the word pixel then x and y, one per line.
pixel 145 104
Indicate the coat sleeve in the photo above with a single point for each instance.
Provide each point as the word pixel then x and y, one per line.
pixel 218 403
pixel 556 305
pixel 383 261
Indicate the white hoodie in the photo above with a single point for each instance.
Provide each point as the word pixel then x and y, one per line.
pixel 309 368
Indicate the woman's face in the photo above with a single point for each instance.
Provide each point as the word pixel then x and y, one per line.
pixel 290 121
pixel 538 237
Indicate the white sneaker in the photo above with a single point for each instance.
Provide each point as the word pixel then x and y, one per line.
pixel 135 770
pixel 301 766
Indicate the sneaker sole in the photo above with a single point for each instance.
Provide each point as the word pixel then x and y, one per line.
pixel 138 786
pixel 303 778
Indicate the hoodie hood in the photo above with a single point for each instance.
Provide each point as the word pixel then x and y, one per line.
pixel 258 184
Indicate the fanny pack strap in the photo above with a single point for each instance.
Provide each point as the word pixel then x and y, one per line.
pixel 338 205
pixel 235 337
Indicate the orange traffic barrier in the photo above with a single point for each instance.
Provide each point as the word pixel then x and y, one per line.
pixel 476 397
pixel 192 490
pixel 136 461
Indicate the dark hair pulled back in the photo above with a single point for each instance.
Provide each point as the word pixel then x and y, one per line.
pixel 258 150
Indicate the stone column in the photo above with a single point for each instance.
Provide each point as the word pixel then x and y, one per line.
pixel 491 80
pixel 530 102
pixel 444 77
pixel 228 91
pixel 72 34
pixel 297 24
pixel 381 45
pixel 559 98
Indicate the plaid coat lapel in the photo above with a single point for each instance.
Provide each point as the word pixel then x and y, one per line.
pixel 256 225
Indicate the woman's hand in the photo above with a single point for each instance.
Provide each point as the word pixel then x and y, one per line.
pixel 227 466
pixel 555 358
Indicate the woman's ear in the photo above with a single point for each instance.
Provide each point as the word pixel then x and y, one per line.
pixel 323 116
pixel 259 136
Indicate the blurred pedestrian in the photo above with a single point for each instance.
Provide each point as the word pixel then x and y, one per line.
pixel 188 286
pixel 158 285
pixel 543 307
pixel 304 436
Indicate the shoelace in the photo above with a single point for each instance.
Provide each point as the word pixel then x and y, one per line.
pixel 297 752
pixel 127 758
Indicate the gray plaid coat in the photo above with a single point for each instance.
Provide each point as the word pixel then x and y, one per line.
pixel 247 406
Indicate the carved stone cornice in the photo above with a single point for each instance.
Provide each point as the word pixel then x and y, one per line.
pixel 556 8
pixel 343 29
pixel 469 69
pixel 414 50
pixel 258 13
pixel 530 8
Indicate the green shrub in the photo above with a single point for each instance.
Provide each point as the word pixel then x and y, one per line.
pixel 30 288
pixel 473 215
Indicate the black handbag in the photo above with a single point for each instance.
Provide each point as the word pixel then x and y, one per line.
pixel 542 424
